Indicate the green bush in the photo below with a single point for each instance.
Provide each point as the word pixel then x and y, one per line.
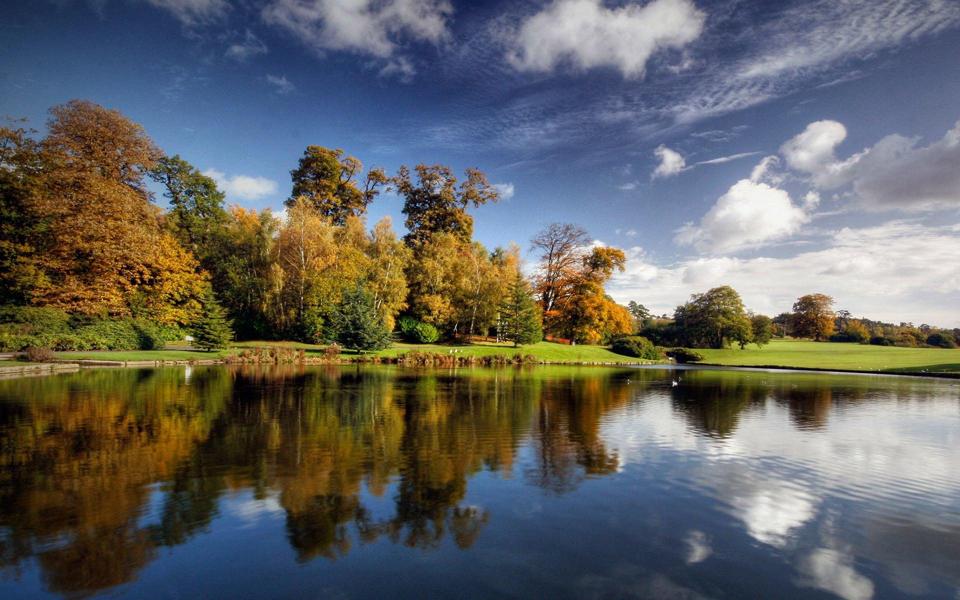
pixel 879 340
pixel 417 332
pixel 941 340
pixel 425 333
pixel 684 355
pixel 637 347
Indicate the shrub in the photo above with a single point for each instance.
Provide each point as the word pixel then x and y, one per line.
pixel 425 333
pixel 684 355
pixel 941 340
pixel 879 340
pixel 34 319
pixel 637 347
pixel 38 354
pixel 332 351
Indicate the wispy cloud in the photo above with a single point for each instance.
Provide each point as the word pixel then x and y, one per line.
pixel 281 84
pixel 246 48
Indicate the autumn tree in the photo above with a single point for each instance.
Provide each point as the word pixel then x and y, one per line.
pixel 386 280
pixel 306 249
pixel 434 203
pixel 813 317
pixel 520 320
pixel 714 318
pixel 561 247
pixel 581 309
pixel 248 276
pixel 333 185
pixel 761 328
pixel 107 251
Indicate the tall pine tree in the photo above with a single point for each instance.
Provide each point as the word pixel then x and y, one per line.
pixel 358 325
pixel 520 320
pixel 212 330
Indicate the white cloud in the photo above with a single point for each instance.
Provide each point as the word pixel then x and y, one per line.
pixel 725 159
pixel 628 186
pixel 246 49
pixel 897 271
pixel 814 150
pixel 366 27
pixel 281 84
pixel 894 173
pixel 810 35
pixel 671 162
pixel 749 215
pixel 194 12
pixel 586 34
pixel 242 187
pixel 506 190
pixel 804 43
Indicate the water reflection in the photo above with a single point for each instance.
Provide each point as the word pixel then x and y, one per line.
pixel 102 470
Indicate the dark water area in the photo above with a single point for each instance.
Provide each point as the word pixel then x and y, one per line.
pixel 377 482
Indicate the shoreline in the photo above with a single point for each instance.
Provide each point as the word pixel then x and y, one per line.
pixel 11 369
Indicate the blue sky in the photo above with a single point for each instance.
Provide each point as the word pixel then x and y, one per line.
pixel 779 147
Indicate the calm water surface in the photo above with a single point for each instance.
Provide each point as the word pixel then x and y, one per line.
pixel 375 482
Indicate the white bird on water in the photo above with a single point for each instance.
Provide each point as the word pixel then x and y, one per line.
pixel 674 383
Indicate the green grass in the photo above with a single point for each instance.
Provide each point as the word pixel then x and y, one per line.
pixel 804 354
pixel 545 351
pixel 136 355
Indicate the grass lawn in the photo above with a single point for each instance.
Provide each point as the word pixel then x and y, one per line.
pixel 545 351
pixel 135 355
pixel 805 354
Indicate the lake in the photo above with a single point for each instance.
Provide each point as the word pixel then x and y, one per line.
pixel 548 482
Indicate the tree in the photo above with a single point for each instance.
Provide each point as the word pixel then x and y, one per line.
pixel 356 324
pixel 762 328
pixel 328 182
pixel 584 312
pixel 22 228
pixel 197 217
pixel 386 280
pixel 813 316
pixel 561 247
pixel 212 330
pixel 107 252
pixel 435 204
pixel 713 319
pixel 640 314
pixel 520 320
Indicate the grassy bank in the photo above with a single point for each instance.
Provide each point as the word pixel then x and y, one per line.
pixel 544 352
pixel 804 354
pixel 146 355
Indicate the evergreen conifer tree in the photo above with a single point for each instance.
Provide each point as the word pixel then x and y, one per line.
pixel 212 331
pixel 357 324
pixel 520 315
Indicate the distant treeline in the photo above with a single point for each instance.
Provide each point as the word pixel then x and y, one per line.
pixel 718 318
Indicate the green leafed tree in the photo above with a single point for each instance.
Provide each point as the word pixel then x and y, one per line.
pixel 212 331
pixel 357 324
pixel 762 329
pixel 520 320
pixel 197 217
pixel 713 319
pixel 331 183
pixel 434 203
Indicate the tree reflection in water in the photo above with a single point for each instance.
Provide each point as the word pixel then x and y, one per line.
pixel 82 454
